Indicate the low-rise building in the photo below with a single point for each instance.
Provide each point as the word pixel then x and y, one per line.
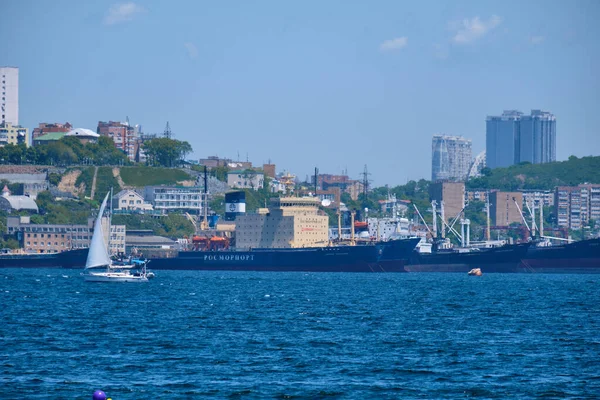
pixel 45 128
pixel 116 241
pixel 13 134
pixel 145 243
pixel 85 136
pixel 46 138
pixel 130 200
pixel 214 162
pixel 32 183
pixel 245 179
pixel 269 170
pixel 171 198
pixel 8 202
pixel 276 186
pixel 53 238
pixel 393 206
pixel 49 238
pixel 343 182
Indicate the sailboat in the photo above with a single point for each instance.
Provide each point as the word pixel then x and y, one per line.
pixel 100 268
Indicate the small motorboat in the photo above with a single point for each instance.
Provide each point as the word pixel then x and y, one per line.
pixel 475 272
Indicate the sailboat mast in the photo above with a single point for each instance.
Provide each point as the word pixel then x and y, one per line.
pixel 110 212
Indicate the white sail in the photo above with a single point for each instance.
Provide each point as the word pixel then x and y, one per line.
pixel 98 252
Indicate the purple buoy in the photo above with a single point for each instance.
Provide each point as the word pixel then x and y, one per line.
pixel 99 395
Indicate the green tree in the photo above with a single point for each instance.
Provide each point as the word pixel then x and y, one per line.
pixel 220 173
pixel 166 152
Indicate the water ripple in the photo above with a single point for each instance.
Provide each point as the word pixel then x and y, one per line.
pixel 297 335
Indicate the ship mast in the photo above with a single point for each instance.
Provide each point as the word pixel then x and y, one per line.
pixel 339 215
pixel 352 214
pixel 109 220
pixel 204 224
pixel 434 223
pixel 541 219
pixel 443 216
pixel 488 233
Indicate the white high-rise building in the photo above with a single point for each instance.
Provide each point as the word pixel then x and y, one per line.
pixel 9 103
pixel 450 158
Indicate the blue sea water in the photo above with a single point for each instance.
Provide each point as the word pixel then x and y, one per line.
pixel 196 334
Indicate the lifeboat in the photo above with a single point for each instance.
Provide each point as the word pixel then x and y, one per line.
pixel 361 225
pixel 218 243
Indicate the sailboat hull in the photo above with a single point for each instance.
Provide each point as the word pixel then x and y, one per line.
pixel 113 277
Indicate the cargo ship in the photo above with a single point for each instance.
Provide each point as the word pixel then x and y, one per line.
pixel 378 257
pixel 389 256
pixel 30 260
pixel 499 259
pixel 572 258
pixel 291 235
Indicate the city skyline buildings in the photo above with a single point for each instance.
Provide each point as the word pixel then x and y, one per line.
pixel 9 104
pixel 514 137
pixel 451 158
pixel 323 82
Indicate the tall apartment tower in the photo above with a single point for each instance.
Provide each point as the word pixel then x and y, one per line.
pixel 538 137
pixel 9 105
pixel 450 158
pixel 502 139
pixel 514 137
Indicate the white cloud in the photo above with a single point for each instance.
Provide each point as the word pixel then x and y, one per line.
pixel 122 12
pixel 394 44
pixel 192 50
pixel 469 30
pixel 536 40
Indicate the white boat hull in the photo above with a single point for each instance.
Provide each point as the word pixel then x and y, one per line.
pixel 98 257
pixel 113 277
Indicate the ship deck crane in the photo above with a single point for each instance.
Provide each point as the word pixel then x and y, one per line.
pixel 522 216
pixel 422 219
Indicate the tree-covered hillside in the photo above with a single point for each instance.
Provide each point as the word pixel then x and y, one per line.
pixel 572 172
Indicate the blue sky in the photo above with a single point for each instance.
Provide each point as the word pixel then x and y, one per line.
pixel 332 84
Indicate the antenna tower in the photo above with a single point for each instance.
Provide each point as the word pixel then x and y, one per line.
pixel 366 182
pixel 167 133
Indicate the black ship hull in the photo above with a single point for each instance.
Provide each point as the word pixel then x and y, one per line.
pixel 501 259
pixel 389 256
pixel 42 260
pixel 579 257
pixel 383 257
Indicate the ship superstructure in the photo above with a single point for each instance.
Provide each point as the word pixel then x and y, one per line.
pixel 289 222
